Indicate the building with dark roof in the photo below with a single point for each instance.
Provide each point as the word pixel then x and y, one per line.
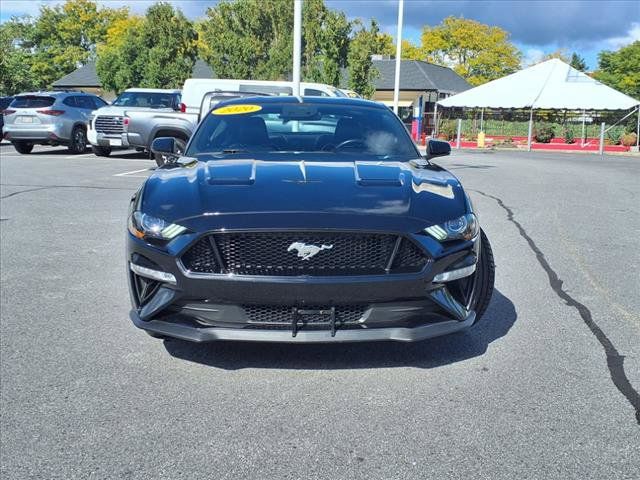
pixel 86 79
pixel 422 84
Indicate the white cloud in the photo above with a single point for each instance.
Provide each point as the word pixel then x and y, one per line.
pixel 532 56
pixel 632 35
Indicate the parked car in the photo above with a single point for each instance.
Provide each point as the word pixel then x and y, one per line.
pixel 136 117
pixel 4 103
pixel 49 118
pixel 304 221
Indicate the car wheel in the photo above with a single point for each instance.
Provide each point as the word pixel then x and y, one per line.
pixel 474 291
pixel 23 147
pixel 78 142
pixel 484 278
pixel 101 151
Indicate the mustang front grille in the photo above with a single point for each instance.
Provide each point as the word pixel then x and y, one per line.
pixel 109 124
pixel 304 253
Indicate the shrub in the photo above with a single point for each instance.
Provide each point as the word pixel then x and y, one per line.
pixel 569 137
pixel 449 129
pixel 628 139
pixel 612 138
pixel 544 132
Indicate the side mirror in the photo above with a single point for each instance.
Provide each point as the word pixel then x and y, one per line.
pixel 167 149
pixel 437 148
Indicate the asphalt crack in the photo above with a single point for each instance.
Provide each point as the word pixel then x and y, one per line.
pixel 615 361
pixel 48 187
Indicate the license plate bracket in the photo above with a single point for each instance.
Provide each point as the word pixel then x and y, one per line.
pixel 299 314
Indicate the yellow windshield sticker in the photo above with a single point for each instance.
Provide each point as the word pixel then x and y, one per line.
pixel 236 109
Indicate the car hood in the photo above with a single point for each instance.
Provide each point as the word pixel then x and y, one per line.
pixel 254 193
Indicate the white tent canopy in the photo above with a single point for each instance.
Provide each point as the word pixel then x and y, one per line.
pixel 550 85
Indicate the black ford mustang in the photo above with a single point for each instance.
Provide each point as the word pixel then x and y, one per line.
pixel 304 220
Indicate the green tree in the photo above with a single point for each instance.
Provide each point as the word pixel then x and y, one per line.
pixel 155 51
pixel 478 52
pixel 411 51
pixel 384 45
pixel 578 62
pixel 16 42
pixel 170 40
pixel 65 37
pixel 621 69
pixel 253 39
pixel 121 60
pixel 248 39
pixel 362 73
pixel 325 42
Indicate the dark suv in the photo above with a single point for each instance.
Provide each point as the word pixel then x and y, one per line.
pixel 49 118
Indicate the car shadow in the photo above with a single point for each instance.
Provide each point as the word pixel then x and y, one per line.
pixel 496 323
pixel 58 151
pixel 460 166
pixel 129 154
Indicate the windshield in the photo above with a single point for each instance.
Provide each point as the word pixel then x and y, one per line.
pixel 330 129
pixel 147 100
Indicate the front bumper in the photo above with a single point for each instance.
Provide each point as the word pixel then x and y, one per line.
pixel 192 333
pixel 401 307
pixel 120 140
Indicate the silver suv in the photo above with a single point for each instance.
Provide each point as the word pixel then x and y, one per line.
pixel 49 118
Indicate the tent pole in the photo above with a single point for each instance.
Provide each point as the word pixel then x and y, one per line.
pixel 584 114
pixel 459 133
pixel 601 148
pixel 530 130
pixel 435 117
pixel 482 120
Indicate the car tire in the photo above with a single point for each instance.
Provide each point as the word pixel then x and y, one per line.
pixel 23 147
pixel 485 277
pixel 78 141
pixel 101 151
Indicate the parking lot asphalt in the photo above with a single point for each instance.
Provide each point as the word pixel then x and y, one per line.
pixel 546 386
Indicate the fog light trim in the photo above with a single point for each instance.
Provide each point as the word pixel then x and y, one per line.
pixel 454 274
pixel 153 274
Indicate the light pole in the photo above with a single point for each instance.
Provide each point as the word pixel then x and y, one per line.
pixel 297 45
pixel 396 86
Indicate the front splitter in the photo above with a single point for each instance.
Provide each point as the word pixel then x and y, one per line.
pixel 210 334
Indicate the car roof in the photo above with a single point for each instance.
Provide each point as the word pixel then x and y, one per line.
pixel 267 100
pixel 54 93
pixel 153 90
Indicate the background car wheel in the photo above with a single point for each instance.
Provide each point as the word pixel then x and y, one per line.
pixel 485 277
pixel 78 142
pixel 101 151
pixel 23 147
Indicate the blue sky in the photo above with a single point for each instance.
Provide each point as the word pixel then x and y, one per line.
pixel 536 27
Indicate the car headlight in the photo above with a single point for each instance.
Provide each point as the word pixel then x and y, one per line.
pixel 462 228
pixel 142 225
